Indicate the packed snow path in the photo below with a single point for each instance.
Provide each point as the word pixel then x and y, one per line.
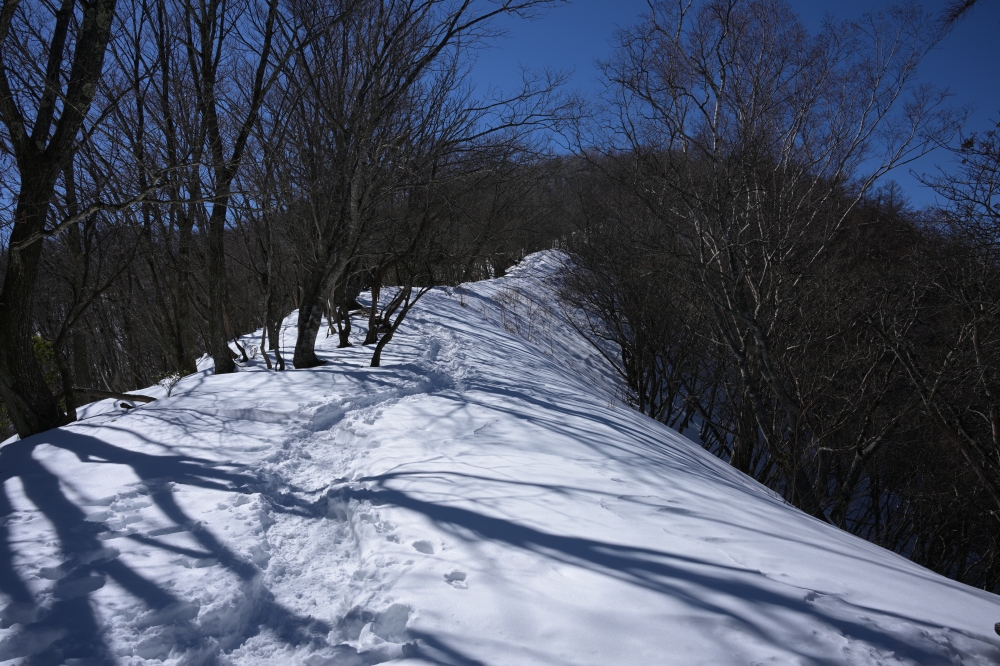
pixel 482 499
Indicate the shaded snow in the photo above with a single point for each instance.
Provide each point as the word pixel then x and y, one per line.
pixel 480 499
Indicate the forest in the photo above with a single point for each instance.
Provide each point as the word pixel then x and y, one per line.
pixel 178 173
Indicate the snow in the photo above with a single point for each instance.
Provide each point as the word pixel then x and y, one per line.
pixel 482 498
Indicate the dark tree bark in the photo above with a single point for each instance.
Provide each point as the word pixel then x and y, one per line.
pixel 30 403
pixel 403 301
pixel 310 321
pixel 344 326
pixel 371 337
pixel 41 155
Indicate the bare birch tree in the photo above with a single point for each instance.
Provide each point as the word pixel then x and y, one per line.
pixel 755 140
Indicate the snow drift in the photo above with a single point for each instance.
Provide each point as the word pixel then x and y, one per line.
pixel 482 499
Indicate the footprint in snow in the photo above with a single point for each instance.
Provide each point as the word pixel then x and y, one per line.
pixel 200 563
pixel 456 579
pixel 77 587
pixel 423 547
pixel 71 581
pixel 119 514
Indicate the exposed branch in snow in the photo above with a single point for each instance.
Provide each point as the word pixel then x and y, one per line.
pixel 99 393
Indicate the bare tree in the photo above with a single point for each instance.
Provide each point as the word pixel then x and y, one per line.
pixel 43 110
pixel 755 140
pixel 380 99
pixel 217 37
pixel 958 380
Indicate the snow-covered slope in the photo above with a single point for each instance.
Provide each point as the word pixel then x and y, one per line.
pixel 482 499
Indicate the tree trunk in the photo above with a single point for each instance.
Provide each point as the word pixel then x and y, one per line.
pixel 311 317
pixel 343 315
pixel 377 356
pixel 272 326
pixel 30 403
pixel 372 336
pixel 218 341
pixel 274 333
pixel 332 323
pixel 310 320
pixel 263 345
pixel 81 360
pixel 66 375
pixel 185 355
pixel 404 300
pixel 41 156
pixel 743 442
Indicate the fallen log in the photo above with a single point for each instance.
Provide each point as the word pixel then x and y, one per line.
pixel 98 393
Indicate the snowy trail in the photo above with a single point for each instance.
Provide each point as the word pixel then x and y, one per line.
pixel 481 499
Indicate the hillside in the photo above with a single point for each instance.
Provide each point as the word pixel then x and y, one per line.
pixel 481 499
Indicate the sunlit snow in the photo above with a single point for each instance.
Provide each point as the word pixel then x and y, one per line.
pixel 482 499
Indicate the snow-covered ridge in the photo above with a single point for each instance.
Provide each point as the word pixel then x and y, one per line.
pixel 480 499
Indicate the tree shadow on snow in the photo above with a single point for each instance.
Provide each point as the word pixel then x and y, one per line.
pixel 60 624
pixel 693 581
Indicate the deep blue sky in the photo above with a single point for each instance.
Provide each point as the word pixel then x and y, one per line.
pixel 572 37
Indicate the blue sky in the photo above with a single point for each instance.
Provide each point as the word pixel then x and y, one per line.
pixel 572 37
